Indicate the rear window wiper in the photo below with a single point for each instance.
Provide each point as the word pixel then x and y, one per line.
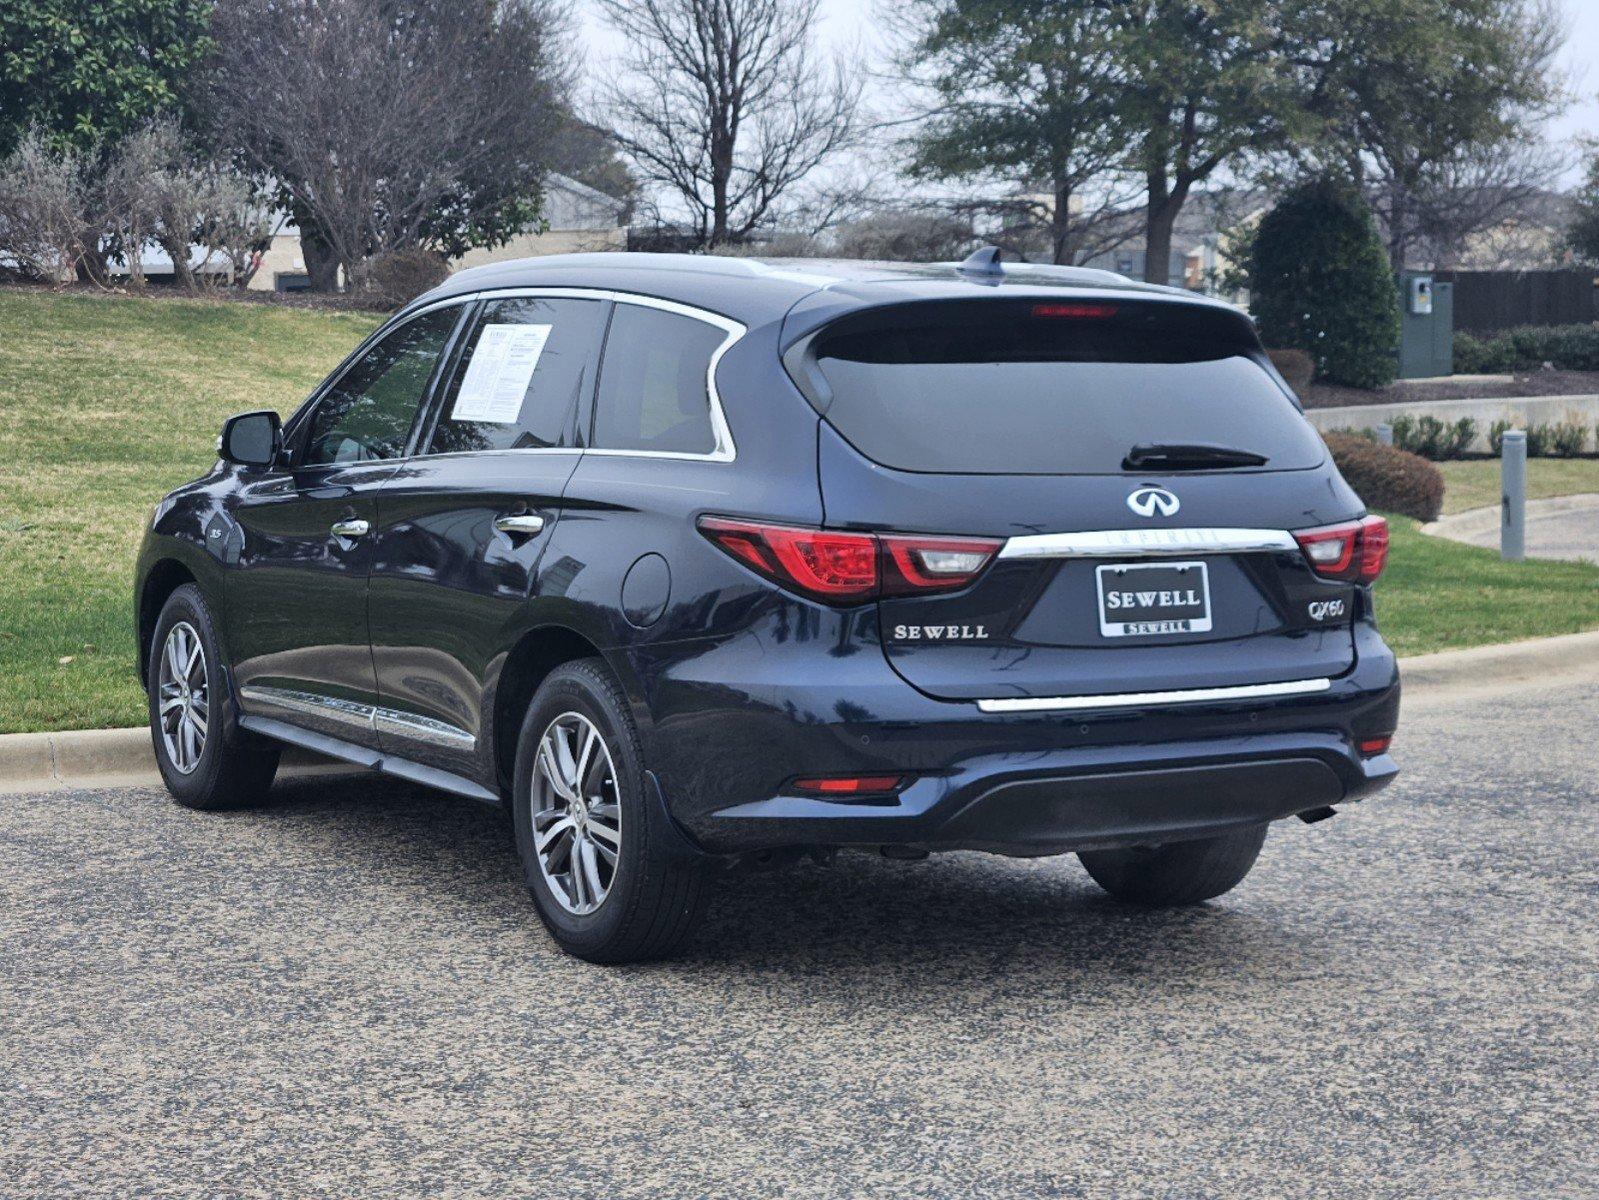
pixel 1188 456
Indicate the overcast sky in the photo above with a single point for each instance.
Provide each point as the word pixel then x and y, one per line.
pixel 847 24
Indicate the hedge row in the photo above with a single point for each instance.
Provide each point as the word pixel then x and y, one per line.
pixel 1440 441
pixel 1387 478
pixel 1565 347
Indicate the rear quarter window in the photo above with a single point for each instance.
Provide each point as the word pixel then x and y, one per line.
pixel 1045 387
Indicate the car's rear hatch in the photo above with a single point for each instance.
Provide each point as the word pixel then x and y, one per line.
pixel 1014 419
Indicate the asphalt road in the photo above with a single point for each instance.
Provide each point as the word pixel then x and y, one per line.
pixel 346 994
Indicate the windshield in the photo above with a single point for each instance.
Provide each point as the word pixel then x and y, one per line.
pixel 1044 388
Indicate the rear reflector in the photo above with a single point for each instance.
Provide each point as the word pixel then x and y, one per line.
pixel 1373 746
pixel 850 785
pixel 843 567
pixel 1352 551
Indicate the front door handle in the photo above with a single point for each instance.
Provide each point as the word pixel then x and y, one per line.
pixel 525 524
pixel 350 529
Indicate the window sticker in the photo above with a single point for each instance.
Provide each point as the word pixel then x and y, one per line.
pixel 498 376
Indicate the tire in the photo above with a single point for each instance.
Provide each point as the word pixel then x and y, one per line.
pixel 1179 873
pixel 226 767
pixel 649 895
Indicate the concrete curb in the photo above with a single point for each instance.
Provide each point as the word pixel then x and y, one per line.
pixel 90 758
pixel 81 758
pixel 1509 664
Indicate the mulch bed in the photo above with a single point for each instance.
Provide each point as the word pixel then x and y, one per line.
pixel 1532 383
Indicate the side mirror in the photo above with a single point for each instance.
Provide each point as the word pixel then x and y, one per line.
pixel 252 439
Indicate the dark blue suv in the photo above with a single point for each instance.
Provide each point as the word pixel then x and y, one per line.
pixel 696 562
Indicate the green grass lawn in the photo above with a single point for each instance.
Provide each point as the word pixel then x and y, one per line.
pixel 106 403
pixel 1474 483
pixel 1441 595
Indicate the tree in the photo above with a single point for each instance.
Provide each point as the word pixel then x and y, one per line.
pixel 1028 89
pixel 43 207
pixel 1583 233
pixel 388 127
pixel 722 105
pixel 1419 95
pixel 1212 84
pixel 87 72
pixel 1320 282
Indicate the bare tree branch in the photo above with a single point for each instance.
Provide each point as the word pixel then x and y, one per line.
pixel 388 126
pixel 722 105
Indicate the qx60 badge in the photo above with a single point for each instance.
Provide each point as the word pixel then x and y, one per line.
pixel 1147 501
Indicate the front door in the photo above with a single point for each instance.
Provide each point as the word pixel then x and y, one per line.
pixel 297 605
pixel 463 524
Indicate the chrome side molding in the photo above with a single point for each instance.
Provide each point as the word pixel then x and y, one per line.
pixel 369 717
pixel 1146 543
pixel 1252 691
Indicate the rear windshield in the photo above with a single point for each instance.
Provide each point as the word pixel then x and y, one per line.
pixel 1047 388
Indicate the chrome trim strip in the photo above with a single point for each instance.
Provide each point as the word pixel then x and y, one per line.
pixel 422 729
pixel 725 450
pixel 361 716
pixel 1146 543
pixel 314 704
pixel 1253 691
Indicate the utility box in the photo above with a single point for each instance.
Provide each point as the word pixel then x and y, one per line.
pixel 1426 326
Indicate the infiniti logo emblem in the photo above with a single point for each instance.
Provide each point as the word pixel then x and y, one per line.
pixel 1147 501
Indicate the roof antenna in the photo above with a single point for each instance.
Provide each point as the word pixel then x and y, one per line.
pixel 983 262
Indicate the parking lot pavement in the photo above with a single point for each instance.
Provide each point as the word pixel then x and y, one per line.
pixel 347 994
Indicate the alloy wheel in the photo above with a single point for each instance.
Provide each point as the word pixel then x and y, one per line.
pixel 184 698
pixel 577 813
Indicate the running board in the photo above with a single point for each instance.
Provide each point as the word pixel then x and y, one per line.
pixel 1252 691
pixel 365 756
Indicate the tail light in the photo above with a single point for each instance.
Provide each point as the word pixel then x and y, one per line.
pixel 1372 746
pixel 1354 551
pixel 843 568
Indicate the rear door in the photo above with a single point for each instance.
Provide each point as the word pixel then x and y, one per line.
pixel 462 525
pixel 1144 466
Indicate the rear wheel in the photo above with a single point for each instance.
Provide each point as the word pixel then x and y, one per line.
pixel 595 856
pixel 1179 873
pixel 206 761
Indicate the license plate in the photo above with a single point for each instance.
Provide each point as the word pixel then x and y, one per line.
pixel 1148 601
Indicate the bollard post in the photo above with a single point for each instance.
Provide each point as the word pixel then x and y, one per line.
pixel 1513 498
pixel 1385 434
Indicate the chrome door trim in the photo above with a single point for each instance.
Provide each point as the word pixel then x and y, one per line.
pixel 334 708
pixel 1252 691
pixel 368 717
pixel 1146 543
pixel 725 450
pixel 422 729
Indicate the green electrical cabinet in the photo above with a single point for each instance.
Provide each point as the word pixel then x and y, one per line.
pixel 1426 327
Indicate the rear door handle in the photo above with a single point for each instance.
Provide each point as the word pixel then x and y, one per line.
pixel 525 524
pixel 350 529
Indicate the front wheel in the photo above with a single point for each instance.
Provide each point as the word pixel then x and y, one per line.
pixel 595 856
pixel 206 761
pixel 1179 873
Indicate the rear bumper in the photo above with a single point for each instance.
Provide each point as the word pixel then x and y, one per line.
pixel 731 724
pixel 1076 800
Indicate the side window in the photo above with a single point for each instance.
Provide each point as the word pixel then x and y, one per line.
pixel 521 374
pixel 653 391
pixel 367 415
